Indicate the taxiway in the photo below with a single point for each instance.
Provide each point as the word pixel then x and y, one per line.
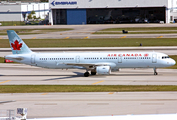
pixel 19 74
pixel 43 105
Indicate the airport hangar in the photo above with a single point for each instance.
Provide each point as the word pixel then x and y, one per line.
pixel 18 11
pixel 111 11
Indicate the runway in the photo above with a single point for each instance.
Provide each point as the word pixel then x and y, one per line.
pixel 42 105
pixel 82 31
pixel 19 74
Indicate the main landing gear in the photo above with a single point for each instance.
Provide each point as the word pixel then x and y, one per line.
pixel 93 73
pixel 86 74
pixel 155 72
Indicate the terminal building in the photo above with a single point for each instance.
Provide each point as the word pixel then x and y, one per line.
pixel 111 11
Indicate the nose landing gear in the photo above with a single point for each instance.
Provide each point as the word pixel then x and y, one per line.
pixel 155 72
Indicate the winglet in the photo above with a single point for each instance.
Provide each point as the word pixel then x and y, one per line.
pixel 17 44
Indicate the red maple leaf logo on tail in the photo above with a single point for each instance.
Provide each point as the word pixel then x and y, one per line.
pixel 16 45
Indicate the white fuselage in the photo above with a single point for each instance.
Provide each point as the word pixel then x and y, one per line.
pixel 115 60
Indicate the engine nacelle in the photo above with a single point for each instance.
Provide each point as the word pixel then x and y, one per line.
pixel 103 70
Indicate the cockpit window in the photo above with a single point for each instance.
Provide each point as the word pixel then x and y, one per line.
pixel 165 57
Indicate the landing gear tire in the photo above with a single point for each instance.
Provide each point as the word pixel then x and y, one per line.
pixel 86 74
pixel 155 73
pixel 93 73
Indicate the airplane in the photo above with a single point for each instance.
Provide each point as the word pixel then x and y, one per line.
pixel 97 62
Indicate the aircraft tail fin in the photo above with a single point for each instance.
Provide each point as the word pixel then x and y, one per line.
pixel 17 44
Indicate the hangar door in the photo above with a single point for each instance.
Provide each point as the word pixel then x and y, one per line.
pixel 76 16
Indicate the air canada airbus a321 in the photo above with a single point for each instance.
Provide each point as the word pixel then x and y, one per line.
pixel 97 62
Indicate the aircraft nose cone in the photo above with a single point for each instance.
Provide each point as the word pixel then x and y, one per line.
pixel 173 62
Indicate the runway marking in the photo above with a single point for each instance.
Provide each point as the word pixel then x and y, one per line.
pixel 34 38
pixel 160 37
pixel 97 103
pixel 1 38
pixel 44 94
pixel 45 104
pixel 5 81
pixel 111 93
pixel 86 37
pixel 66 37
pixel 124 37
pixel 97 82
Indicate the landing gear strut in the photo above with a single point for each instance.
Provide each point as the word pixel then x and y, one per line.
pixel 86 74
pixel 155 72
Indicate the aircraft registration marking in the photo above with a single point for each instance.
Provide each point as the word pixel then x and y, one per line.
pixel 5 81
pixel 97 82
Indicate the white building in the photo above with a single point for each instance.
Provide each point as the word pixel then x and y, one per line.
pixel 19 11
pixel 112 11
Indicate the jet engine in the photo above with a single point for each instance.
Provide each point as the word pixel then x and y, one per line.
pixel 103 70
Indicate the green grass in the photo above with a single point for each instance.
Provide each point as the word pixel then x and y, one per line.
pixel 34 31
pixel 84 88
pixel 105 42
pixel 1 60
pixel 12 23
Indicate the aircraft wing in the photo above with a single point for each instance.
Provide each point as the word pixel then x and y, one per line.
pixel 86 64
pixel 91 65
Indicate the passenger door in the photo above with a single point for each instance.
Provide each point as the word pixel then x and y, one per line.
pixel 119 59
pixel 154 58
pixel 77 59
pixel 32 59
